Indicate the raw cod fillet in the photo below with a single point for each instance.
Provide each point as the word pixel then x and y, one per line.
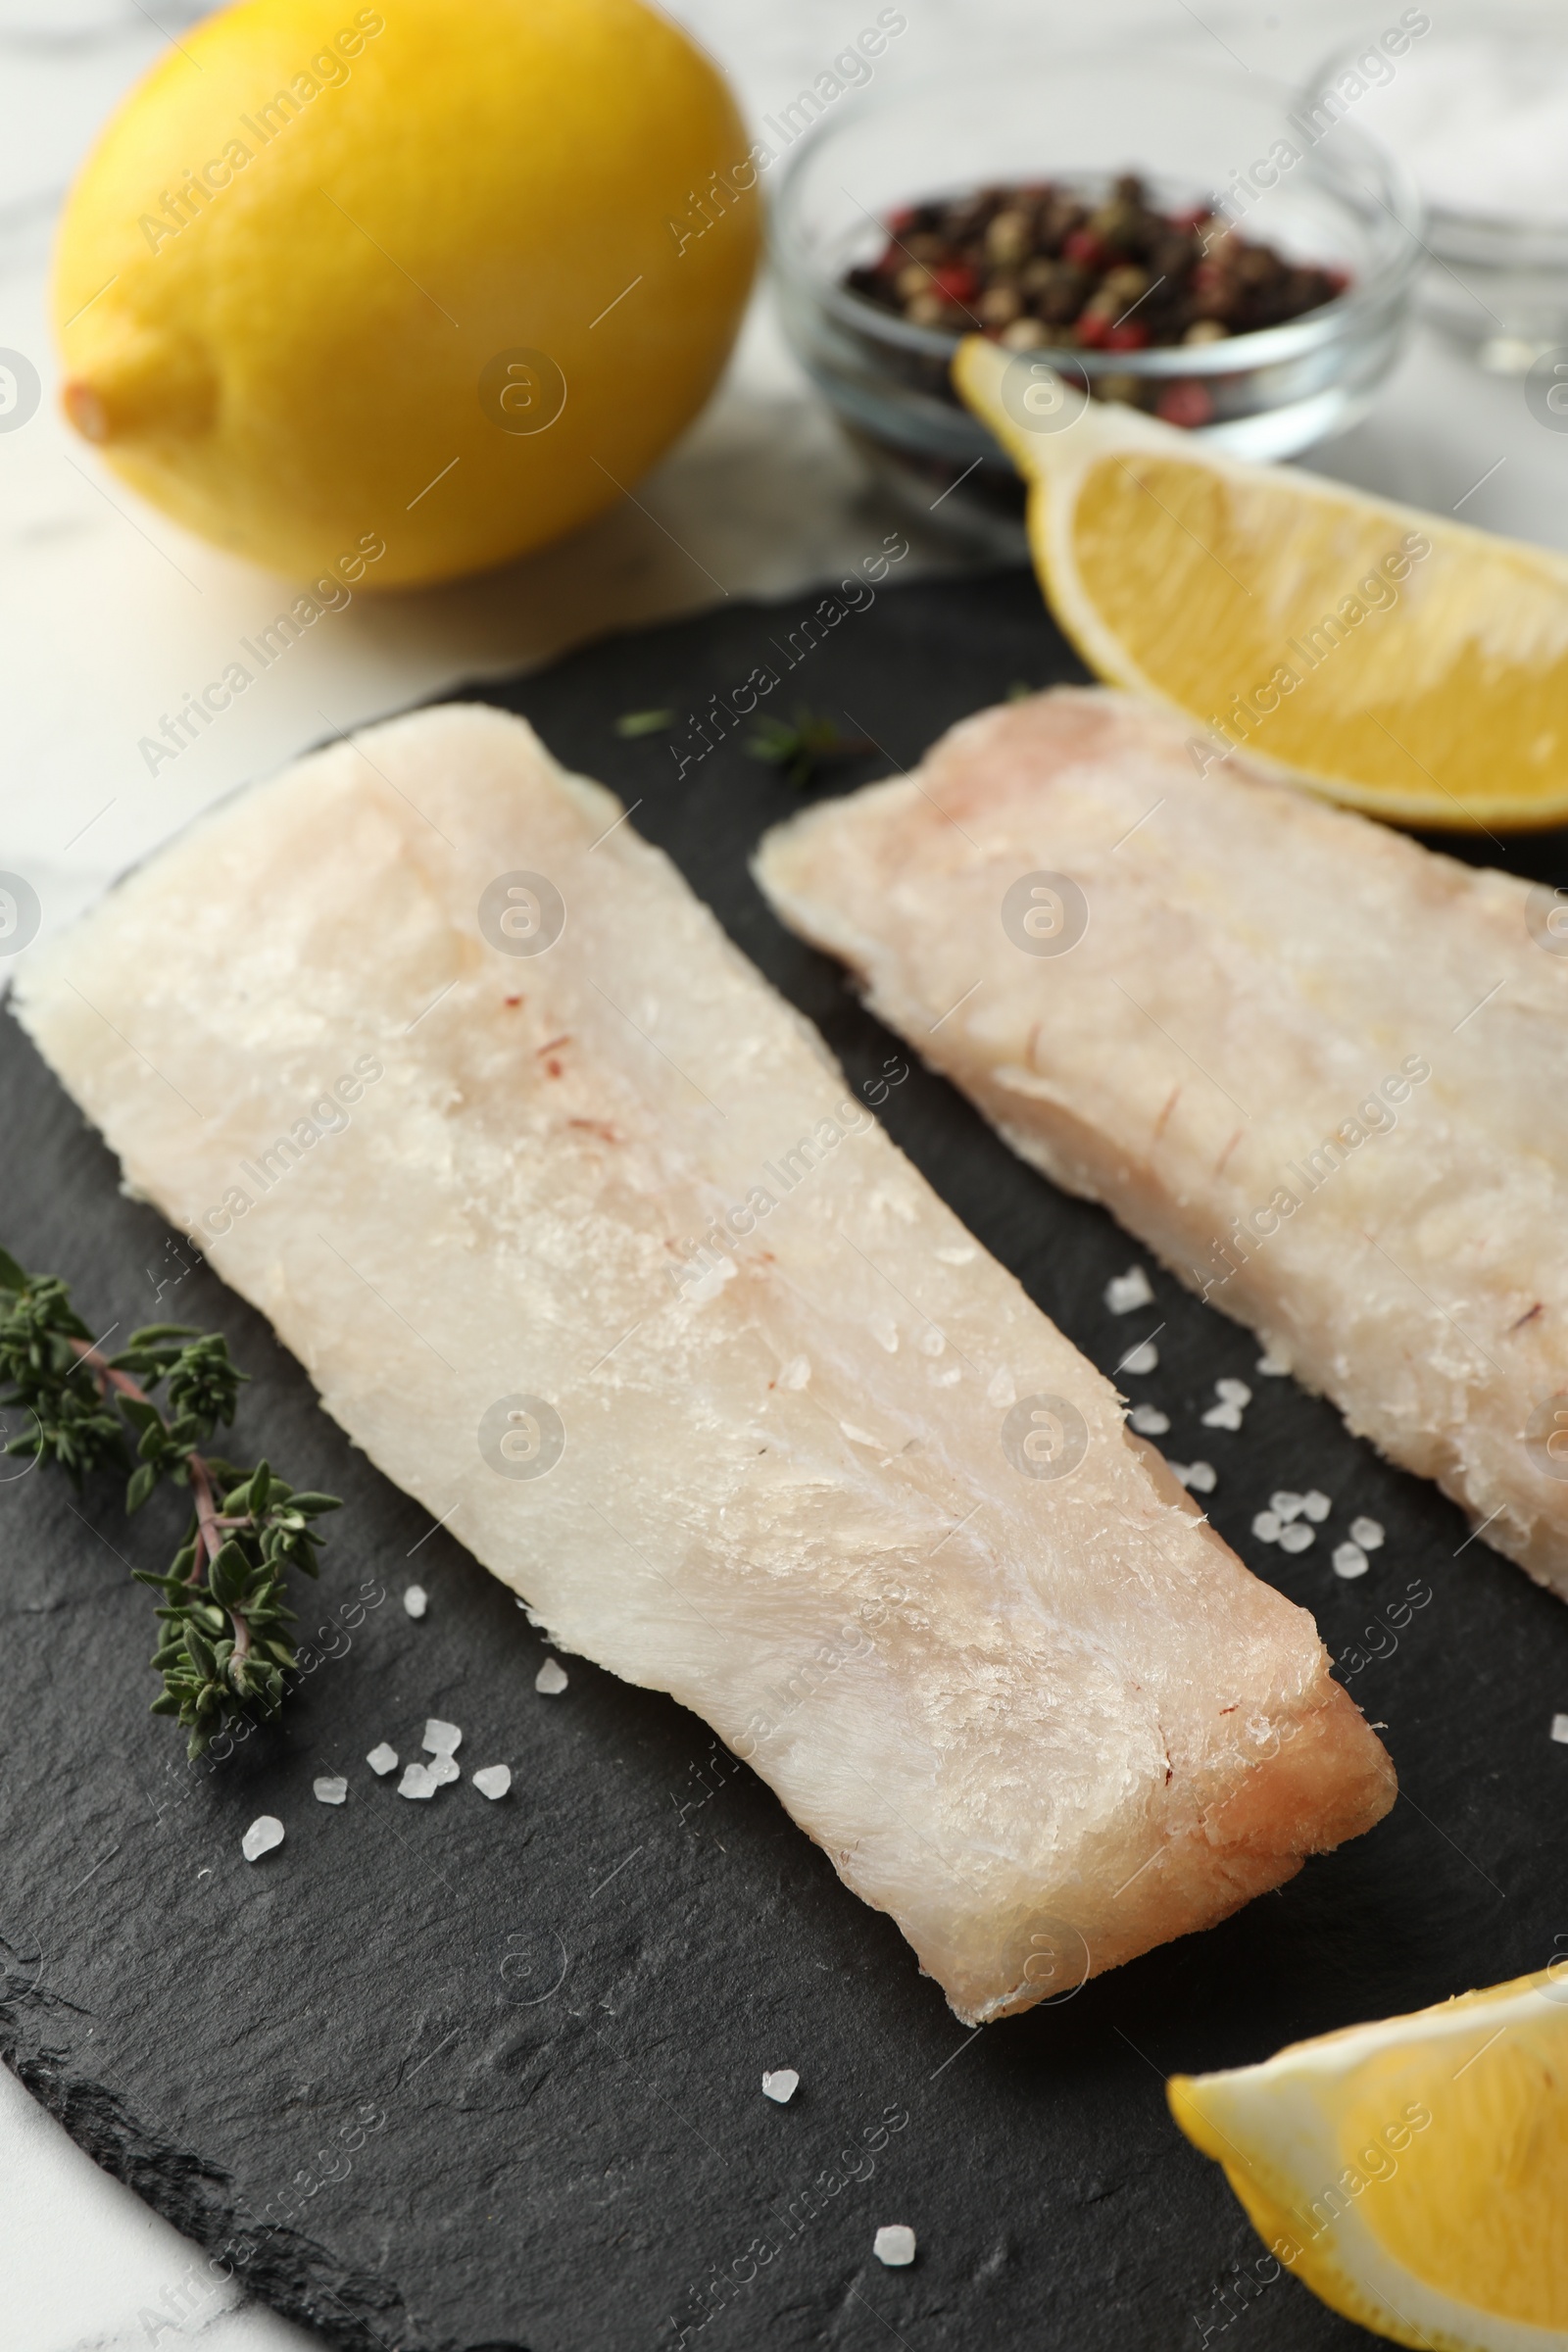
pixel 761 1374
pixel 1316 1067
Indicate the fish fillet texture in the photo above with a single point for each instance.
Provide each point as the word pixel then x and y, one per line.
pixel 606 1267
pixel 1316 1067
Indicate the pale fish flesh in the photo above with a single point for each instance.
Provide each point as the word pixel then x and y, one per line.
pixel 580 1234
pixel 1316 1067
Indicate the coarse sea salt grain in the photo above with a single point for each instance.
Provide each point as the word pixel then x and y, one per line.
pixel 417 1781
pixel 1232 1392
pixel 382 1759
pixel 1297 1537
pixel 1368 1533
pixel 780 2085
pixel 1124 1292
pixel 416 1601
pixel 443 1769
pixel 551 1678
pixel 1350 1561
pixel 1223 1416
pixel 1198 1477
pixel 266 1831
pixel 440 1739
pixel 493 1780
pixel 1149 1420
pixel 894 2245
pixel 1266 1526
pixel 330 1789
pixel 1316 1506
pixel 1286 1506
pixel 1140 1359
pixel 1272 1366
pixel 1559 1729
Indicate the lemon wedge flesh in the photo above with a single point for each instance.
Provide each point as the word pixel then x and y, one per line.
pixel 1412 2172
pixel 1394 661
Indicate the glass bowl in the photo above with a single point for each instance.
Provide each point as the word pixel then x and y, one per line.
pixel 1470 112
pixel 1199 139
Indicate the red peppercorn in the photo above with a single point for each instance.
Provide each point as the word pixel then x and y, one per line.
pixel 1081 245
pixel 1093 330
pixel 1131 335
pixel 1185 404
pixel 904 218
pixel 957 282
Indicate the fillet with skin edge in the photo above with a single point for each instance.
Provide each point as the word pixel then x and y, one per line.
pixel 1313 1065
pixel 1044 1722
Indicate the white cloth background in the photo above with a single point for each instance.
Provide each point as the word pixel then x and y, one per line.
pixel 108 615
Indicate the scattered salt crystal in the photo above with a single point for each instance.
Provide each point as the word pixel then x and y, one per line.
pixel 1316 1506
pixel 551 1678
pixel 781 2084
pixel 884 1330
pixel 382 1759
pixel 1199 1475
pixel 330 1789
pixel 1124 1292
pixel 266 1831
pixel 1143 1358
pixel 894 2245
pixel 1297 1537
pixel 416 1601
pixel 1272 1366
pixel 856 1437
pixel 1002 1390
pixel 493 1780
pixel 417 1781
pixel 797 1373
pixel 1368 1533
pixel 443 1770
pixel 1232 1392
pixel 1267 1525
pixel 440 1739
pixel 1223 1415
pixel 1285 1505
pixel 1350 1561
pixel 1149 1420
pixel 960 1256
pixel 932 1341
pixel 1559 1731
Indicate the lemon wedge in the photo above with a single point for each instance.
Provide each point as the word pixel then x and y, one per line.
pixel 1394 661
pixel 1413 2172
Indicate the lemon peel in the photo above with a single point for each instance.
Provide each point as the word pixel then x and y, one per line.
pixel 447 279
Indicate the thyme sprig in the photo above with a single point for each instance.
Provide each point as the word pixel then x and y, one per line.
pixel 223 1650
pixel 802 744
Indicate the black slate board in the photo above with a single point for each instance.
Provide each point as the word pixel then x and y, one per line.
pixel 487 2076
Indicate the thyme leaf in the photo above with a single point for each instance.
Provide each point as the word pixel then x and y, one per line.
pixel 222 1648
pixel 802 744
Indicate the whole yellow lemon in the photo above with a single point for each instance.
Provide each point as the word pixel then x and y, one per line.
pixel 407 290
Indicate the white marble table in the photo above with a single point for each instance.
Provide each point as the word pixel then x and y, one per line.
pixel 108 614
